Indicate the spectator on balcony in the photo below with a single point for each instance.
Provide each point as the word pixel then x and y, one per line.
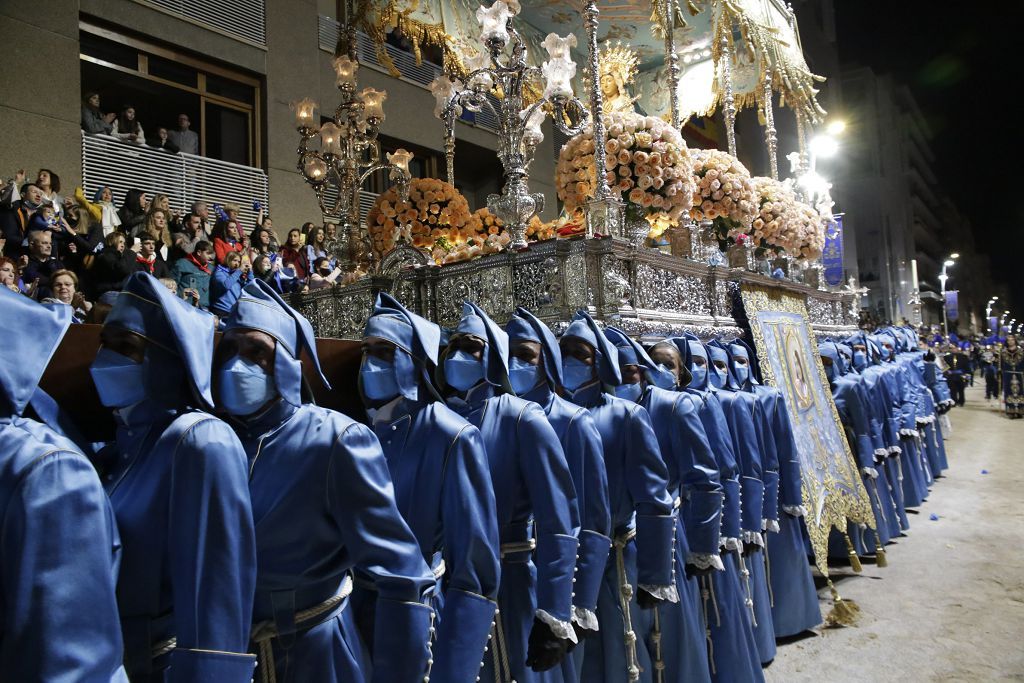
pixel 184 138
pixel 227 239
pixel 191 234
pixel 148 259
pixel 127 127
pixel 324 275
pixel 203 211
pixel 40 264
pixel 103 199
pixel 293 254
pixel 316 246
pixel 163 141
pixel 93 119
pixel 10 276
pixel 15 214
pixel 226 285
pixel 267 268
pixel 157 225
pixel 162 202
pixel 306 227
pixel 112 266
pixel 64 284
pixel 62 234
pixel 49 183
pixel 192 273
pixel 133 212
pixel 260 244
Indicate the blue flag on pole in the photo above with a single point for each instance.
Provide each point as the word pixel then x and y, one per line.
pixel 832 254
pixel 952 304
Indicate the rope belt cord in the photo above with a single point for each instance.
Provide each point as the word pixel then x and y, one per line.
pixel 625 595
pixel 518 547
pixel 745 573
pixel 264 632
pixel 163 647
pixel 502 668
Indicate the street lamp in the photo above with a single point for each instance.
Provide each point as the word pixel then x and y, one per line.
pixel 942 280
pixel 988 311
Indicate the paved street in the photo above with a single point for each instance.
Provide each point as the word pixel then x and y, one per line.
pixel 950 605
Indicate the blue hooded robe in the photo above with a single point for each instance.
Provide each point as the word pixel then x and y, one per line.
pixel 323 505
pixel 59 546
pixel 643 519
pixel 694 480
pixel 581 443
pixel 179 490
pixel 793 596
pixel 443 490
pixel 538 519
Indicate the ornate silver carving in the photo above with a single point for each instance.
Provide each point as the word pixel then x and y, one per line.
pixel 770 137
pixel 729 101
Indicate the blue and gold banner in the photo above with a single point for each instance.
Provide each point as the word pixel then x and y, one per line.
pixel 953 304
pixel 832 254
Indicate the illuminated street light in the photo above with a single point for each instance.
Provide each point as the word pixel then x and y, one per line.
pixel 835 127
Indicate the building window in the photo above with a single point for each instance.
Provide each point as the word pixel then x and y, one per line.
pixel 222 104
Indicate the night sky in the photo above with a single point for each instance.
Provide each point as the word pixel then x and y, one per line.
pixel 964 62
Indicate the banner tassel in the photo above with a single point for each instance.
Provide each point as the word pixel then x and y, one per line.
pixel 843 612
pixel 854 560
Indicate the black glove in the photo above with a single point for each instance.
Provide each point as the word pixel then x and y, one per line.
pixel 750 548
pixel 645 600
pixel 545 649
pixel 693 571
pixel 581 634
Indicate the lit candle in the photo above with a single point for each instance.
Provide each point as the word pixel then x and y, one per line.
pixel 532 134
pixel 330 139
pixel 373 103
pixel 400 159
pixel 305 113
pixel 443 90
pixel 493 22
pixel 315 168
pixel 345 70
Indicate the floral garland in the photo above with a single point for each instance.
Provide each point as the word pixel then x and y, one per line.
pixel 647 164
pixel 435 210
pixel 724 194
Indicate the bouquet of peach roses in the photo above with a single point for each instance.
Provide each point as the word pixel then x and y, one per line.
pixel 724 194
pixel 434 210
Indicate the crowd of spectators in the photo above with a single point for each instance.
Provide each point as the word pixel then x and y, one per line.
pixel 78 251
pixel 125 126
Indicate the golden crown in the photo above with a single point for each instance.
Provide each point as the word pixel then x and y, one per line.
pixel 621 60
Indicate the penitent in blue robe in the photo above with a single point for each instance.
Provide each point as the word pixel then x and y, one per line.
pixel 324 507
pixel 59 545
pixel 178 486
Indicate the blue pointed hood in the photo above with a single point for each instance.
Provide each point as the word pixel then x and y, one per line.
pixel 261 308
pixel 736 348
pixel 149 309
pixel 632 353
pixel 37 331
pixel 719 350
pixel 690 346
pixel 525 326
pixel 475 322
pixel 419 338
pixel 585 329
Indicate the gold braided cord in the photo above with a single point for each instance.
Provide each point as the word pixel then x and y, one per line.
pixel 377 19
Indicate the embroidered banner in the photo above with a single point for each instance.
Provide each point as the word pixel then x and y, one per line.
pixel 953 304
pixel 832 254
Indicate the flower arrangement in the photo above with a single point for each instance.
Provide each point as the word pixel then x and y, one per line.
pixel 784 224
pixel 445 251
pixel 724 194
pixel 434 210
pixel 809 232
pixel 482 222
pixel 647 164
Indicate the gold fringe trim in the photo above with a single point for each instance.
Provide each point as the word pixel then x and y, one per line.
pixel 852 554
pixel 844 612
pixel 378 22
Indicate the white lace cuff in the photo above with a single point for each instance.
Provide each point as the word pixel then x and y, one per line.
pixel 895 450
pixel 869 472
pixel 795 510
pixel 912 433
pixel 771 525
pixel 562 629
pixel 731 543
pixel 586 618
pixel 881 452
pixel 926 420
pixel 666 593
pixel 705 561
pixel 754 537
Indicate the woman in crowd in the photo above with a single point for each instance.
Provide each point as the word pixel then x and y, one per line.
pixel 93 119
pixel 193 272
pixel 132 213
pixel 157 225
pixel 163 142
pixel 228 280
pixel 127 127
pixel 103 199
pixel 260 244
pixel 64 284
pixel 112 266
pixel 323 274
pixel 316 245
pixel 227 239
pixel 294 255
pixel 9 276
pixel 49 183
pixel 162 202
pixel 265 268
pixel 306 227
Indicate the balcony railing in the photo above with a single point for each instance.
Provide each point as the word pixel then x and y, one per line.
pixel 184 178
pixel 245 19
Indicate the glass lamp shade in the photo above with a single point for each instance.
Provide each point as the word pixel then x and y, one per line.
pixel 493 22
pixel 532 134
pixel 345 71
pixel 557 76
pixel 400 159
pixel 330 139
pixel 481 81
pixel 305 113
pixel 558 47
pixel 315 168
pixel 373 103
pixel 443 90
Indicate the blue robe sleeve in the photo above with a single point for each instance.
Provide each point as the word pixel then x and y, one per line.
pixel 471 555
pixel 861 423
pixel 745 445
pixel 647 482
pixel 790 476
pixel 721 442
pixel 699 479
pixel 212 556
pixel 769 466
pixel 362 497
pixel 878 446
pixel 585 455
pixel 555 514
pixel 58 557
